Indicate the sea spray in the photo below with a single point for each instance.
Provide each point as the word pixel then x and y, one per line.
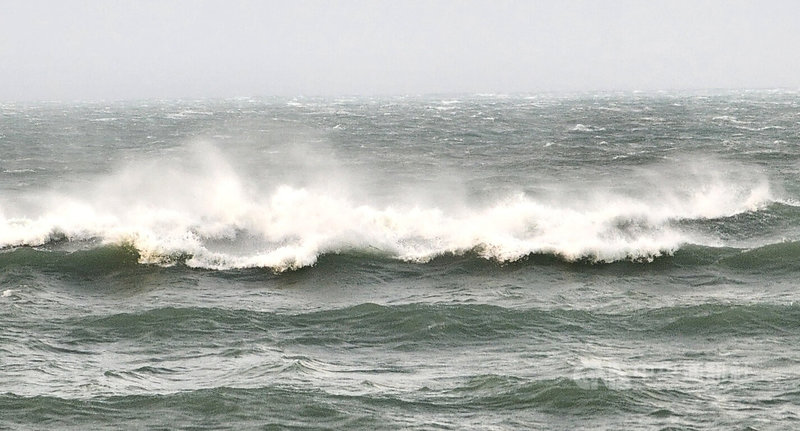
pixel 201 209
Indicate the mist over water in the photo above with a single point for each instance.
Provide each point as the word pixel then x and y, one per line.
pixel 183 49
pixel 607 261
pixel 199 207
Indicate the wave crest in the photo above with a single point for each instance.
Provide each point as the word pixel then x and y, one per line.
pixel 295 226
pixel 208 215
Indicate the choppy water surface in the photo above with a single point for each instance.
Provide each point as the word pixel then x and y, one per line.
pixel 608 261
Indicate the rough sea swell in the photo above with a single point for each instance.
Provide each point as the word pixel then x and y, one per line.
pixel 596 261
pixel 205 215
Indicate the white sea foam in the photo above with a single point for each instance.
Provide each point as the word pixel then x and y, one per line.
pixel 205 212
pixel 586 128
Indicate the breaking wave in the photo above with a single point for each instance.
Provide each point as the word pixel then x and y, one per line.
pixel 206 214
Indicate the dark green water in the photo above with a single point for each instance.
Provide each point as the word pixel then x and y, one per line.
pixel 593 261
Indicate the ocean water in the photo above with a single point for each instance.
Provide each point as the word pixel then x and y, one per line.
pixel 609 261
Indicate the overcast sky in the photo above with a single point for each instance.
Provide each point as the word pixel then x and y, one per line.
pixel 87 50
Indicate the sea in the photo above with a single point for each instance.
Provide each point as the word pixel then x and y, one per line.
pixel 617 261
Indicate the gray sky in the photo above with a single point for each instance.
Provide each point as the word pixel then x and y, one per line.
pixel 66 50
